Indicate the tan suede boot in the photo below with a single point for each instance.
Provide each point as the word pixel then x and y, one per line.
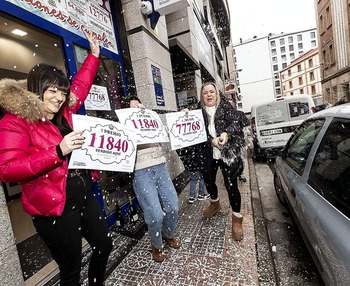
pixel 237 229
pixel 212 209
pixel 157 254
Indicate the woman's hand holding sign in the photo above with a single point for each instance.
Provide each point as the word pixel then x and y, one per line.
pixel 72 141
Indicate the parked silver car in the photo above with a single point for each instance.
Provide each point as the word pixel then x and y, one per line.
pixel 312 177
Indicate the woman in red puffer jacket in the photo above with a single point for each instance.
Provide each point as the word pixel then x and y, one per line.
pixel 36 142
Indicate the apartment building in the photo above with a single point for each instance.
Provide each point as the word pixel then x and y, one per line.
pixel 333 32
pixel 261 60
pixel 285 48
pixel 302 76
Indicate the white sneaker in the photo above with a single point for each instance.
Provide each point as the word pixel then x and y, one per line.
pixel 203 197
pixel 191 200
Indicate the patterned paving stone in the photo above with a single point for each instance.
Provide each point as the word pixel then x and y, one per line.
pixel 208 255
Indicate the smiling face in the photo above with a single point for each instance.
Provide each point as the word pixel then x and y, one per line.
pixel 209 95
pixel 53 100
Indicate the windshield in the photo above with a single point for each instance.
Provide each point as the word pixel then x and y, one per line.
pixel 272 113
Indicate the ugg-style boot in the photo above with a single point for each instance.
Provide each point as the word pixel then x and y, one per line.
pixel 237 229
pixel 212 209
pixel 157 254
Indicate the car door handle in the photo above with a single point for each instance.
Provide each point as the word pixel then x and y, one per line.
pixel 292 192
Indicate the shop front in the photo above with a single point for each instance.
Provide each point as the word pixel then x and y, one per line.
pixel 51 32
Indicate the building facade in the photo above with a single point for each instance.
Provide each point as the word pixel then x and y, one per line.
pixel 261 60
pixel 302 76
pixel 285 48
pixel 253 72
pixel 162 57
pixel 333 32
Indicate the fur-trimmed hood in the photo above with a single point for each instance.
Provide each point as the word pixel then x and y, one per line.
pixel 16 99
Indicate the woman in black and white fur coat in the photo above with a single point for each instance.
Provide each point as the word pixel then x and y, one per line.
pixel 223 149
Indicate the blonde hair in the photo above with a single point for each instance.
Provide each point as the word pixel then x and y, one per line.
pixel 216 91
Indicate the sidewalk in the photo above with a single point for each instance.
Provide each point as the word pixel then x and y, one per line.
pixel 208 255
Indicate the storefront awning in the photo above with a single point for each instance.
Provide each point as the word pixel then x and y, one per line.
pixel 181 60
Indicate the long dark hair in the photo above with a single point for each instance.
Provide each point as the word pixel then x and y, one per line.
pixel 43 76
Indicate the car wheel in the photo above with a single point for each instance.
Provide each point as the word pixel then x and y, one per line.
pixel 279 190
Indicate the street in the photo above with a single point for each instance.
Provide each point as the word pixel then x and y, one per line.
pixel 291 261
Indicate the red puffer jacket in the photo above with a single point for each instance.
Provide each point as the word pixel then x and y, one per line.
pixel 28 142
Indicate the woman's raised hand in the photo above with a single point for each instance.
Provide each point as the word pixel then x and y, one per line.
pixel 72 141
pixel 94 44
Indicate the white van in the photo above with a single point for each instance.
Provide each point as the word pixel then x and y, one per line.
pixel 273 122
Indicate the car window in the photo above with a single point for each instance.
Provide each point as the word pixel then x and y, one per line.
pixel 298 148
pixel 299 110
pixel 330 171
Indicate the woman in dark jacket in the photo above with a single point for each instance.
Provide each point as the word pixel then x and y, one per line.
pixel 223 149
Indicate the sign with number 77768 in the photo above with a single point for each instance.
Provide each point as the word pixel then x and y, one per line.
pixel 186 129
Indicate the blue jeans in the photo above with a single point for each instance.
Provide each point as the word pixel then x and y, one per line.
pixel 195 177
pixel 158 199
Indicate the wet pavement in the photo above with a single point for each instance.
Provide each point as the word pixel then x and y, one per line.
pixel 208 255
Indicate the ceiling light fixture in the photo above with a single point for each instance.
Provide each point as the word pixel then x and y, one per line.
pixel 19 32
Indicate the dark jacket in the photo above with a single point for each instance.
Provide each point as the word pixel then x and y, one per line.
pixel 226 119
pixel 191 157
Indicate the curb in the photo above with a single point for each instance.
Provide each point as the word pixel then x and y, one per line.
pixel 266 267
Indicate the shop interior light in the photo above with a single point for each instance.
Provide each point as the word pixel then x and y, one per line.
pixel 19 32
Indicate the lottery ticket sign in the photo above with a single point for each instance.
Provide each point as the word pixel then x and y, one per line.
pixel 145 123
pixel 186 129
pixel 108 146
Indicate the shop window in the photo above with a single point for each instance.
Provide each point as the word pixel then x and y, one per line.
pixel 186 95
pixel 114 185
pixel 35 47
